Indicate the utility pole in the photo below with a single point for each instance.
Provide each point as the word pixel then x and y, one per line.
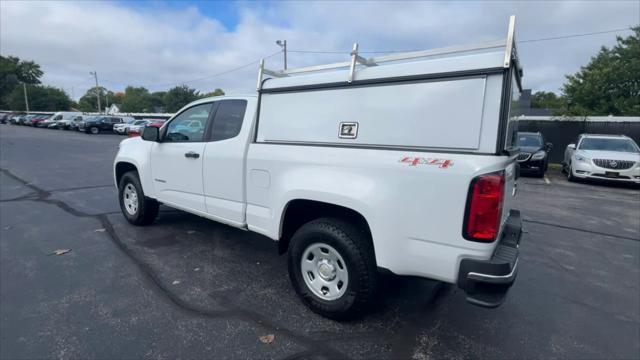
pixel 26 101
pixel 95 75
pixel 283 45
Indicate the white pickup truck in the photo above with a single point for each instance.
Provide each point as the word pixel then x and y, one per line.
pixel 402 163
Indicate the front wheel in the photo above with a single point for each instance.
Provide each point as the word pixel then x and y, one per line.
pixel 332 268
pixel 136 208
pixel 570 176
pixel 94 130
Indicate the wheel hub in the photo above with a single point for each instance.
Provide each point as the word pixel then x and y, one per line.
pixel 326 270
pixel 130 199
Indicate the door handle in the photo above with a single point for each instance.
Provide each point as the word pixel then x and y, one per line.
pixel 192 155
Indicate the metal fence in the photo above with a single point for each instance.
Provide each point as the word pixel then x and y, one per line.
pixel 561 131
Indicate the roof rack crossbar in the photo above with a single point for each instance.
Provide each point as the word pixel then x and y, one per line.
pixel 508 44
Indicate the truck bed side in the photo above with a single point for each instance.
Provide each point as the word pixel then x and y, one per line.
pixel 414 202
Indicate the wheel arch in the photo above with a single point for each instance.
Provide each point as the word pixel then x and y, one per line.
pixel 300 211
pixel 121 168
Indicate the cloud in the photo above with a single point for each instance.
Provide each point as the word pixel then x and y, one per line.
pixel 161 46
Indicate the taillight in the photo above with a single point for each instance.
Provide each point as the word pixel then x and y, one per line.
pixel 484 207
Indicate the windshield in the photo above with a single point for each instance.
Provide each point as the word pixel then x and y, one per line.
pixel 139 122
pixel 529 140
pixel 608 144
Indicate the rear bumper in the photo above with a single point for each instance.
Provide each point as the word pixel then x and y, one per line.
pixel 486 282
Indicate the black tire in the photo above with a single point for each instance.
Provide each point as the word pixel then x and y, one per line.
pixel 355 247
pixel 146 210
pixel 570 176
pixel 94 130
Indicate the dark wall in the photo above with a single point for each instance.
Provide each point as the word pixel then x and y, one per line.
pixel 562 133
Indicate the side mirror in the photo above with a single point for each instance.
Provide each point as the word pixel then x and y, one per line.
pixel 572 146
pixel 549 146
pixel 151 133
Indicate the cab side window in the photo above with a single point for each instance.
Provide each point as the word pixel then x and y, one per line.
pixel 189 125
pixel 228 119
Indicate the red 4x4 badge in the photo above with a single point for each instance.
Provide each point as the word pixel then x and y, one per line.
pixel 414 161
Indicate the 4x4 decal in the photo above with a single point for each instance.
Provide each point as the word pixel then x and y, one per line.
pixel 414 161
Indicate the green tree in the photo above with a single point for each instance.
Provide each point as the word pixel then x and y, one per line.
pixel 157 101
pixel 89 102
pixel 216 92
pixel 546 100
pixel 41 98
pixel 14 71
pixel 610 83
pixel 136 99
pixel 178 97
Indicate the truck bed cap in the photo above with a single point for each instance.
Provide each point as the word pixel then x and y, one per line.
pixel 465 61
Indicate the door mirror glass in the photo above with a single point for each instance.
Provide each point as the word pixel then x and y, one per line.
pixel 151 133
pixel 572 146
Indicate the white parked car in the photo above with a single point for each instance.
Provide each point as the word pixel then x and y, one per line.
pixel 66 122
pixel 59 116
pixel 353 171
pixel 609 157
pixel 124 128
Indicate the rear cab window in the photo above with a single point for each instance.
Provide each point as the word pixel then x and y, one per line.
pixel 228 119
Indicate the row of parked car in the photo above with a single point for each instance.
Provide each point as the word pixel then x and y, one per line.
pixel 590 157
pixel 90 124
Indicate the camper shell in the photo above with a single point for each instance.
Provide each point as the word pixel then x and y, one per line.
pixel 456 99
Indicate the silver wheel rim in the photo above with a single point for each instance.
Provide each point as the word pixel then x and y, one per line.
pixel 130 199
pixel 324 271
pixel 94 130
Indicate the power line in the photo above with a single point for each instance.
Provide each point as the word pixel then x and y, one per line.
pixel 344 52
pixel 576 35
pixel 519 41
pixel 205 77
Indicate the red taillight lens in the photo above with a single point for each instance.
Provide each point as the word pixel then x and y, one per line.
pixel 484 207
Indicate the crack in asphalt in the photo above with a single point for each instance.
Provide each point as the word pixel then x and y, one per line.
pixel 313 346
pixel 581 230
pixel 81 188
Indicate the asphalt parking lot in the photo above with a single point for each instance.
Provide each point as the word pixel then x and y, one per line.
pixel 187 287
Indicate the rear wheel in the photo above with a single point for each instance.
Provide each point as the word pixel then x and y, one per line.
pixel 135 206
pixel 94 130
pixel 332 268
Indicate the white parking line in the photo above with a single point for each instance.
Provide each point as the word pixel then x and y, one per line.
pixel 547 180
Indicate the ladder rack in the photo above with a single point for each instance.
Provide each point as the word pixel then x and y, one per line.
pixel 508 44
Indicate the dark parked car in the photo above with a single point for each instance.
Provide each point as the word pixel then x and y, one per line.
pixel 97 124
pixel 534 153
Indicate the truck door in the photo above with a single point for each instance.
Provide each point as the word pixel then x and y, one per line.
pixel 176 161
pixel 224 160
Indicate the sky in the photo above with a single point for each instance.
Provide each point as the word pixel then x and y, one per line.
pixel 208 45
